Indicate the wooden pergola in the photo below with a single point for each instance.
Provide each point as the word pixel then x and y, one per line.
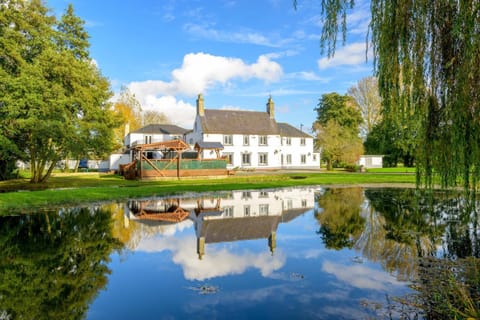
pixel 177 146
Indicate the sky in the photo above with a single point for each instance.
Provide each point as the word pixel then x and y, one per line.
pixel 235 52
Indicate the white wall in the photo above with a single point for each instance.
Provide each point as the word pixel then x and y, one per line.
pixel 117 159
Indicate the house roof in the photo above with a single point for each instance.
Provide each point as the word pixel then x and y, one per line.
pixel 238 122
pixel 234 229
pixel 208 145
pixel 161 129
pixel 287 130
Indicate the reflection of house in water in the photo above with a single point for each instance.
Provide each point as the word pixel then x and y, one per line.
pixel 249 215
pixel 227 217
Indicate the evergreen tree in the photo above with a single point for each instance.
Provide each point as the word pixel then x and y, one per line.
pixel 55 99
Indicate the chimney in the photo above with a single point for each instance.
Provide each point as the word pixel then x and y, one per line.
pixel 270 108
pixel 200 106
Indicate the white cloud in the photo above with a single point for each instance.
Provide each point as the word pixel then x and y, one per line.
pixel 361 276
pixel 351 55
pixel 198 73
pixel 244 36
pixel 177 111
pixel 201 71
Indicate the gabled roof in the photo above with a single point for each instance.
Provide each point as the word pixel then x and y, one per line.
pixel 287 130
pixel 208 145
pixel 238 122
pixel 161 129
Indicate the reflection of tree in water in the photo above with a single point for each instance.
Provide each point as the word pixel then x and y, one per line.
pixel 447 288
pixel 410 228
pixel 340 220
pixel 53 264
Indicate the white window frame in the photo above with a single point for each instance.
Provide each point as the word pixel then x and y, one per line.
pixel 288 141
pixel 229 156
pixel 246 140
pixel 263 209
pixel 228 211
pixel 246 211
pixel 289 159
pixel 228 140
pixel 263 159
pixel 303 159
pixel 249 155
pixel 263 140
pixel 303 141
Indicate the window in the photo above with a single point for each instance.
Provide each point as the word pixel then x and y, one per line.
pixel 263 210
pixel 229 157
pixel 228 212
pixel 228 140
pixel 289 204
pixel 288 141
pixel 314 157
pixel 262 159
pixel 304 203
pixel 263 194
pixel 302 141
pixel 246 140
pixel 246 159
pixel 148 139
pixel 246 195
pixel 303 159
pixel 262 140
pixel 246 211
pixel 289 159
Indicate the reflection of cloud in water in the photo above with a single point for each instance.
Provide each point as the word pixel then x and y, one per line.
pixel 165 229
pixel 304 303
pixel 360 276
pixel 215 263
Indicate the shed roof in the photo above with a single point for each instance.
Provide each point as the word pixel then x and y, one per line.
pixel 208 145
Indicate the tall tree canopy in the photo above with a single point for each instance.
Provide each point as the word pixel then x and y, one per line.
pixel 54 99
pixel 129 110
pixel 337 125
pixel 367 98
pixel 426 59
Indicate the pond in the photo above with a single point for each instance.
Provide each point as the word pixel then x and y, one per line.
pixel 290 253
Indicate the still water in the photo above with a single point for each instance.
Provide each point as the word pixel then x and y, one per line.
pixel 293 253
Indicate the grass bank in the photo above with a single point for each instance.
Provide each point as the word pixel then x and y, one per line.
pixel 73 189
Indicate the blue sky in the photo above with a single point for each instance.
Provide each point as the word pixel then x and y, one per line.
pixel 235 52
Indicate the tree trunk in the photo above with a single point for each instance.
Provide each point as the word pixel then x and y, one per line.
pixel 329 165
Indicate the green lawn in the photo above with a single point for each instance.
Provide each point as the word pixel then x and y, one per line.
pixel 71 189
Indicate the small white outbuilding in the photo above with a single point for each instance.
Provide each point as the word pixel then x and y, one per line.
pixel 371 161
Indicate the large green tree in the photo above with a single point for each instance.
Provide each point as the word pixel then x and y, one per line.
pixel 426 57
pixel 54 101
pixel 337 129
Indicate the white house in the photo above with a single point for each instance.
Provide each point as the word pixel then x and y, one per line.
pixel 253 139
pixel 154 133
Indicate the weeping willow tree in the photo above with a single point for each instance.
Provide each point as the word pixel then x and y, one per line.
pixel 427 60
